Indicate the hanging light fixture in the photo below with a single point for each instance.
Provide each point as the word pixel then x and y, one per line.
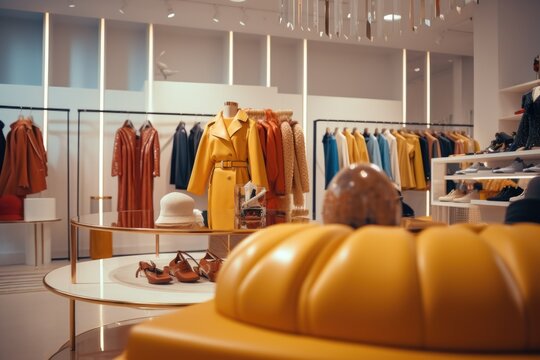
pixel 170 10
pixel 215 17
pixel 243 19
pixel 376 19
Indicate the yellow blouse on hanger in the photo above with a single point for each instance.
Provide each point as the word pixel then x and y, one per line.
pixel 362 147
pixel 354 152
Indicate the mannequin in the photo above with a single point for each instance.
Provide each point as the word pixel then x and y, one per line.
pixel 230 109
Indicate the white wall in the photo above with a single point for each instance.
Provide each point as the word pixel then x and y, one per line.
pixel 21 47
pixel 126 55
pixel 286 65
pixel 353 71
pixel 249 59
pixel 518 31
pixel 74 52
pixel 441 96
pixel 198 55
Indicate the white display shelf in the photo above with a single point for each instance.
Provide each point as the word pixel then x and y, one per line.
pixel 451 204
pixel 512 118
pixel 112 281
pixel 490 203
pixel 508 155
pixel 483 175
pixel 521 88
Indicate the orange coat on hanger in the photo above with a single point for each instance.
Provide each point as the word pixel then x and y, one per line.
pixel 25 161
pixel 227 148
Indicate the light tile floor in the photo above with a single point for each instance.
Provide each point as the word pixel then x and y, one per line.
pixel 34 323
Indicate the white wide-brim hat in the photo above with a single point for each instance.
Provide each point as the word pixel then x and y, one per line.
pixel 176 209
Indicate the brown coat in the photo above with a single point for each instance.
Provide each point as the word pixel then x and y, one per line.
pixel 25 161
pixel 136 163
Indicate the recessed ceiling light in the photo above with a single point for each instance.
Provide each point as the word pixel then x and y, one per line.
pixel 392 17
pixel 170 10
pixel 215 17
pixel 416 69
pixel 71 3
pixel 122 8
pixel 238 1
pixel 243 19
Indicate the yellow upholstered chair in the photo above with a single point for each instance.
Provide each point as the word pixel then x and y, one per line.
pixel 330 292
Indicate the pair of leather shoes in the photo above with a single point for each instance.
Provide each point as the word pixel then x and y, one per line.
pixel 506 193
pixel 181 269
pixel 209 266
pixel 153 274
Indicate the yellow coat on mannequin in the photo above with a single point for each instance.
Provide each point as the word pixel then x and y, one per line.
pixel 227 148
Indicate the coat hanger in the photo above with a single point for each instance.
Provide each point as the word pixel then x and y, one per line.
pixel 128 123
pixel 328 130
pixel 146 124
pixel 383 130
pixel 354 131
pixel 376 133
pixel 366 132
pixel 336 130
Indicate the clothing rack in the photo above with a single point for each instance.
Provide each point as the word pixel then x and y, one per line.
pixel 79 111
pixel 315 142
pixel 67 111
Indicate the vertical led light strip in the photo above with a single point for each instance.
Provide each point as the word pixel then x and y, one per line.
pixel 268 59
pixel 428 89
pixel 428 113
pixel 404 88
pixel 304 90
pixel 150 99
pixel 231 56
pixel 101 307
pixel 101 107
pixel 45 77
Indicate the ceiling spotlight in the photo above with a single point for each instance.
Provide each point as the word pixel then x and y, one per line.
pixel 238 1
pixel 392 17
pixel 416 69
pixel 170 10
pixel 243 19
pixel 215 17
pixel 349 15
pixel 71 3
pixel 122 8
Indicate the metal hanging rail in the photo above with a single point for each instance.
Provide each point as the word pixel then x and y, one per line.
pixel 314 155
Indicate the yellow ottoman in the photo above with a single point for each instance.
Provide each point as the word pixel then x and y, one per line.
pixel 310 291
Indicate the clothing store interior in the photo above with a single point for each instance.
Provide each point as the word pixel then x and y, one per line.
pixel 285 179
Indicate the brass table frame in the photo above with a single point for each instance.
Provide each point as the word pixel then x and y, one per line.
pixel 76 224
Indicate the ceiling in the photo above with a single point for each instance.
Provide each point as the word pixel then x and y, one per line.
pixel 453 35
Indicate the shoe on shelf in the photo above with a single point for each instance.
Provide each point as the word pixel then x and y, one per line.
pixel 473 195
pixel 473 169
pixel 518 197
pixel 506 193
pixel 533 169
pixel 181 269
pixel 209 266
pixel 153 274
pixel 451 195
pixel 516 166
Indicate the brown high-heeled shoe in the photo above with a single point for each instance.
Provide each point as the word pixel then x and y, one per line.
pixel 181 269
pixel 153 274
pixel 209 266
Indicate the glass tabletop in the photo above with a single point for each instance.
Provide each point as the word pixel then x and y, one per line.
pixel 143 221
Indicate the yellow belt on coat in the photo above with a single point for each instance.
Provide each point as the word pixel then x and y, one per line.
pixel 228 164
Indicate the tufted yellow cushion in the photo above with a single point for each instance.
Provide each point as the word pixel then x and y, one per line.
pixel 308 291
pixel 458 288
